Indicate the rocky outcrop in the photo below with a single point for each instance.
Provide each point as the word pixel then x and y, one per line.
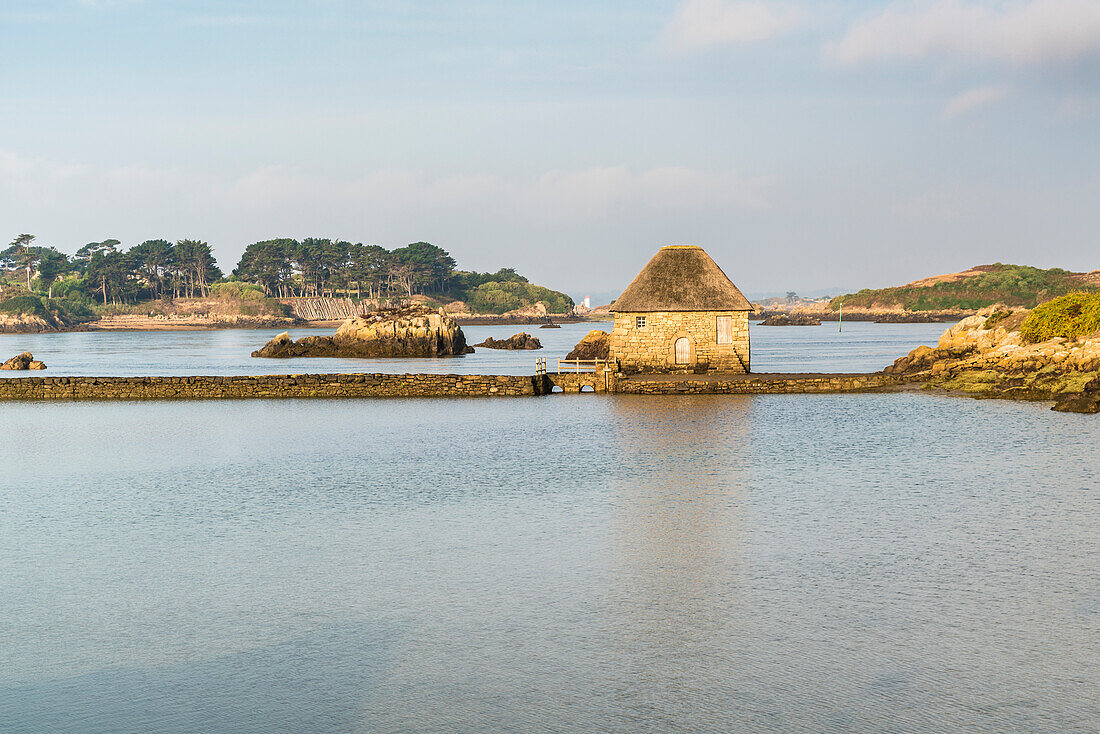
pixel 522 340
pixel 414 331
pixel 594 345
pixel 28 323
pixel 790 319
pixel 550 326
pixel 24 361
pixel 908 317
pixel 986 356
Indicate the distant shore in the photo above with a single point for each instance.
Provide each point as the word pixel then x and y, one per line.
pixel 159 323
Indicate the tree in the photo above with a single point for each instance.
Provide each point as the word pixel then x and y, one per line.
pixel 791 296
pixel 154 259
pixel 423 265
pixel 112 272
pixel 51 265
pixel 22 245
pixel 197 265
pixel 269 264
pixel 84 254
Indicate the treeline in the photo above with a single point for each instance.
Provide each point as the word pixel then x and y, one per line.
pixel 103 271
pixel 317 267
pixel 283 268
pixel 314 267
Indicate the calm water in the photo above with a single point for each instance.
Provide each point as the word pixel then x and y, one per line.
pixel 898 562
pixel 861 347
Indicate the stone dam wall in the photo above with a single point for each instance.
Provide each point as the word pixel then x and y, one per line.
pixel 268 386
pixel 424 385
pixel 762 384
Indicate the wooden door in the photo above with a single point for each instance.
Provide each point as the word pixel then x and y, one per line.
pixel 683 351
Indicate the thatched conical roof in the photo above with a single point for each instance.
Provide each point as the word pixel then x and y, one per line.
pixel 681 278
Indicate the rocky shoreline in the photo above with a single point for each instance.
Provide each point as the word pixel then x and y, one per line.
pixel 987 356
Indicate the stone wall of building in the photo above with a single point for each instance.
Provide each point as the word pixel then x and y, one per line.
pixel 651 348
pixel 268 386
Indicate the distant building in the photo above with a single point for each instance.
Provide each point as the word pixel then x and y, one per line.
pixel 681 314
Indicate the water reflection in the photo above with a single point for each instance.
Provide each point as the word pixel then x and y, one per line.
pixel 676 553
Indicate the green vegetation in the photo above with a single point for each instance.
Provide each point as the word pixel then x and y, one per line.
pixel 236 290
pixel 995 318
pixel 30 305
pixel 1070 316
pixel 494 297
pixel 114 281
pixel 1012 285
pixel 50 310
pixel 319 267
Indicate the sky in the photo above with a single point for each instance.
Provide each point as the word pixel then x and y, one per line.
pixel 808 146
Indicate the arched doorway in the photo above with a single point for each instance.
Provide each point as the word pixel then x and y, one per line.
pixel 682 348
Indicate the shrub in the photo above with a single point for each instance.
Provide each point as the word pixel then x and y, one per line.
pixel 498 297
pixel 234 289
pixel 1070 316
pixel 74 310
pixel 24 305
pixel 72 291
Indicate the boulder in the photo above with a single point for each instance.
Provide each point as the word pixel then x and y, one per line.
pixel 24 361
pixel 413 331
pixel 594 345
pixel 522 340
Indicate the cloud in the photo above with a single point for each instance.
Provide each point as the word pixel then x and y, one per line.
pixel 972 100
pixel 700 24
pixel 1029 33
pixel 488 217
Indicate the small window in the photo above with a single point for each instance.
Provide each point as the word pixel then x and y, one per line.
pixel 639 322
pixel 725 330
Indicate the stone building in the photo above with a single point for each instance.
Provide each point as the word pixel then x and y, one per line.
pixel 681 314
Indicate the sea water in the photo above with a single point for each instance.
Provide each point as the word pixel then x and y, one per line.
pixel 901 562
pixel 860 347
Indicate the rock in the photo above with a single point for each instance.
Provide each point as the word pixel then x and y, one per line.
pixel 790 319
pixel 413 331
pixel 522 340
pixel 1078 403
pixel 550 326
pixel 594 345
pixel 308 346
pixel 24 361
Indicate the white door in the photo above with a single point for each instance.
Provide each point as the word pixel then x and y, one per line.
pixel 683 350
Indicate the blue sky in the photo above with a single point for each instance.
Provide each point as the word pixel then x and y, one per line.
pixel 805 145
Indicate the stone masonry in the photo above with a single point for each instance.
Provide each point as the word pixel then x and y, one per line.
pixel 652 348
pixel 268 386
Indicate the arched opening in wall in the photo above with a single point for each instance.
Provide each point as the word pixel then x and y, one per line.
pixel 587 388
pixel 682 349
pixel 556 388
